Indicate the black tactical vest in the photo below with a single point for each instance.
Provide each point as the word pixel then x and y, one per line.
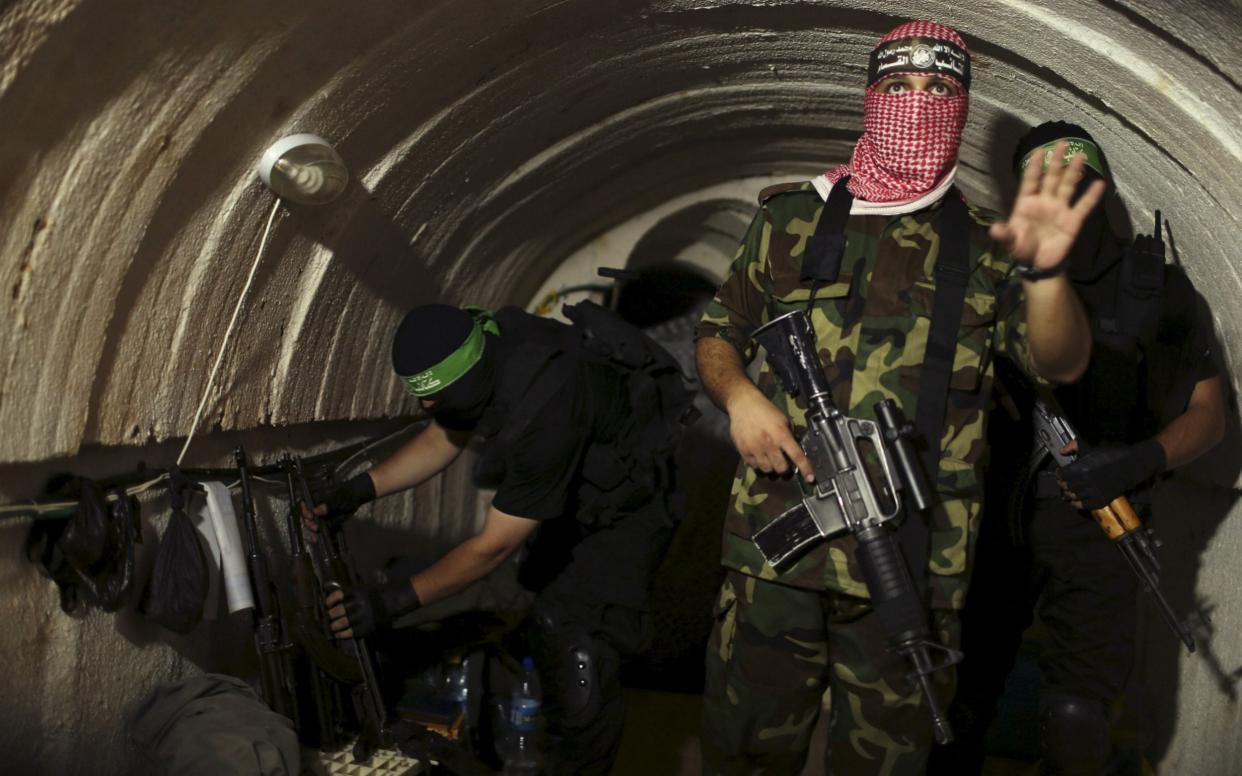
pixel 629 461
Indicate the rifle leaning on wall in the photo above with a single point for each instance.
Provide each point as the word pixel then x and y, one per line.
pixel 846 499
pixel 275 677
pixel 1118 520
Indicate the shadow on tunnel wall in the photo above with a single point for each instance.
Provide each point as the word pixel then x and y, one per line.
pixel 373 249
pixel 1189 509
pixel 667 299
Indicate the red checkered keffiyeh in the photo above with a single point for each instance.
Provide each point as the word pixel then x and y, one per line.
pixel 910 140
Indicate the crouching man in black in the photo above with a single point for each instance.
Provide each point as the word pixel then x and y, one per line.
pixel 578 435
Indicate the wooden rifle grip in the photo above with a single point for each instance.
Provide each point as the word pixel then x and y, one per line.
pixel 1118 518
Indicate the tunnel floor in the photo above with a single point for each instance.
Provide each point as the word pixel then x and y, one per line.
pixel 662 737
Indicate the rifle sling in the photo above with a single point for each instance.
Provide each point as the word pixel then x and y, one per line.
pixel 952 273
pixel 821 261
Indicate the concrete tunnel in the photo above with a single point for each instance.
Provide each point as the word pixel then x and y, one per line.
pixel 498 150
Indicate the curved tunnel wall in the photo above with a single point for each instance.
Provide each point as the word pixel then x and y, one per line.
pixel 489 141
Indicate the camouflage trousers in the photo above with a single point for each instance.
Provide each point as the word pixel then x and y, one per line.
pixel 773 651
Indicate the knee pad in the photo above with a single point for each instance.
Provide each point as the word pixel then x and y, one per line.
pixel 574 658
pixel 581 672
pixel 1074 735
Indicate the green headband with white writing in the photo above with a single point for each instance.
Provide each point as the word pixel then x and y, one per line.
pixel 455 364
pixel 1074 146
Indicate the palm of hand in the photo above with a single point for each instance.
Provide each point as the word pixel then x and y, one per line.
pixel 1043 229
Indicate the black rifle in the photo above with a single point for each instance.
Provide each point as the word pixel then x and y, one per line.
pixel 1118 520
pixel 372 713
pixel 275 678
pixel 847 497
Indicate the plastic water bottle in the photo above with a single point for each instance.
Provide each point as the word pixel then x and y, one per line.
pixel 523 755
pixel 457 683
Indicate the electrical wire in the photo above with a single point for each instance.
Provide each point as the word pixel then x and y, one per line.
pixel 58 509
pixel 228 332
pixel 49 509
pixel 344 465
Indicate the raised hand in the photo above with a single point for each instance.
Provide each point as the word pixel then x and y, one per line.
pixel 1044 224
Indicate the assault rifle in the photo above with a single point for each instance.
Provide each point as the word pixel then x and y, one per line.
pixel 848 497
pixel 327 662
pixel 275 679
pixel 369 704
pixel 1118 520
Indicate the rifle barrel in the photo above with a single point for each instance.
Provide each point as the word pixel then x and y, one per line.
pixel 1131 549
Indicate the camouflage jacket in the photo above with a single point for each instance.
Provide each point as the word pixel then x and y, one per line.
pixel 871 327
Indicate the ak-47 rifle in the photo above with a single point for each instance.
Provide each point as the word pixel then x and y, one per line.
pixel 845 499
pixel 372 713
pixel 1118 520
pixel 275 679
pixel 307 625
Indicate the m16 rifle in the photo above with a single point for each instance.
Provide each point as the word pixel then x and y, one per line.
pixel 848 497
pixel 1053 432
pixel 376 731
pixel 275 678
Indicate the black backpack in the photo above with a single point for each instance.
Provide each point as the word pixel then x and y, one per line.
pixel 620 477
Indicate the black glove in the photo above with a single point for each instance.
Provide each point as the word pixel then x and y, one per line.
pixel 343 498
pixel 369 607
pixel 1103 474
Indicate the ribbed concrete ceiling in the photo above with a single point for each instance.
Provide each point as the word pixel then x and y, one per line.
pixel 488 140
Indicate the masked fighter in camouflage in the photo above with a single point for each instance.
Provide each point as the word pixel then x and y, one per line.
pixel 780 639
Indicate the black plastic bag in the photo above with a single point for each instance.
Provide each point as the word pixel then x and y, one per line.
pixel 113 576
pixel 85 538
pixel 43 549
pixel 89 555
pixel 178 586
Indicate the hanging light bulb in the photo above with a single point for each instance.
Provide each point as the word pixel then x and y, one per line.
pixel 303 168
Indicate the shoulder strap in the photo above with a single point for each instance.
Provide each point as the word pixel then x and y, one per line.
pixel 779 188
pixel 524 394
pixel 821 261
pixel 952 272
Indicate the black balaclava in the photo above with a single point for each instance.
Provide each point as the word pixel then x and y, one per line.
pixel 1097 247
pixel 429 334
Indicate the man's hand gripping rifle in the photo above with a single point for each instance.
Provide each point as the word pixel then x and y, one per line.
pixel 1053 433
pixel 845 498
pixel 334 574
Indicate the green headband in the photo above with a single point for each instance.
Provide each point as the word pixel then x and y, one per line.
pixel 457 363
pixel 1076 145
